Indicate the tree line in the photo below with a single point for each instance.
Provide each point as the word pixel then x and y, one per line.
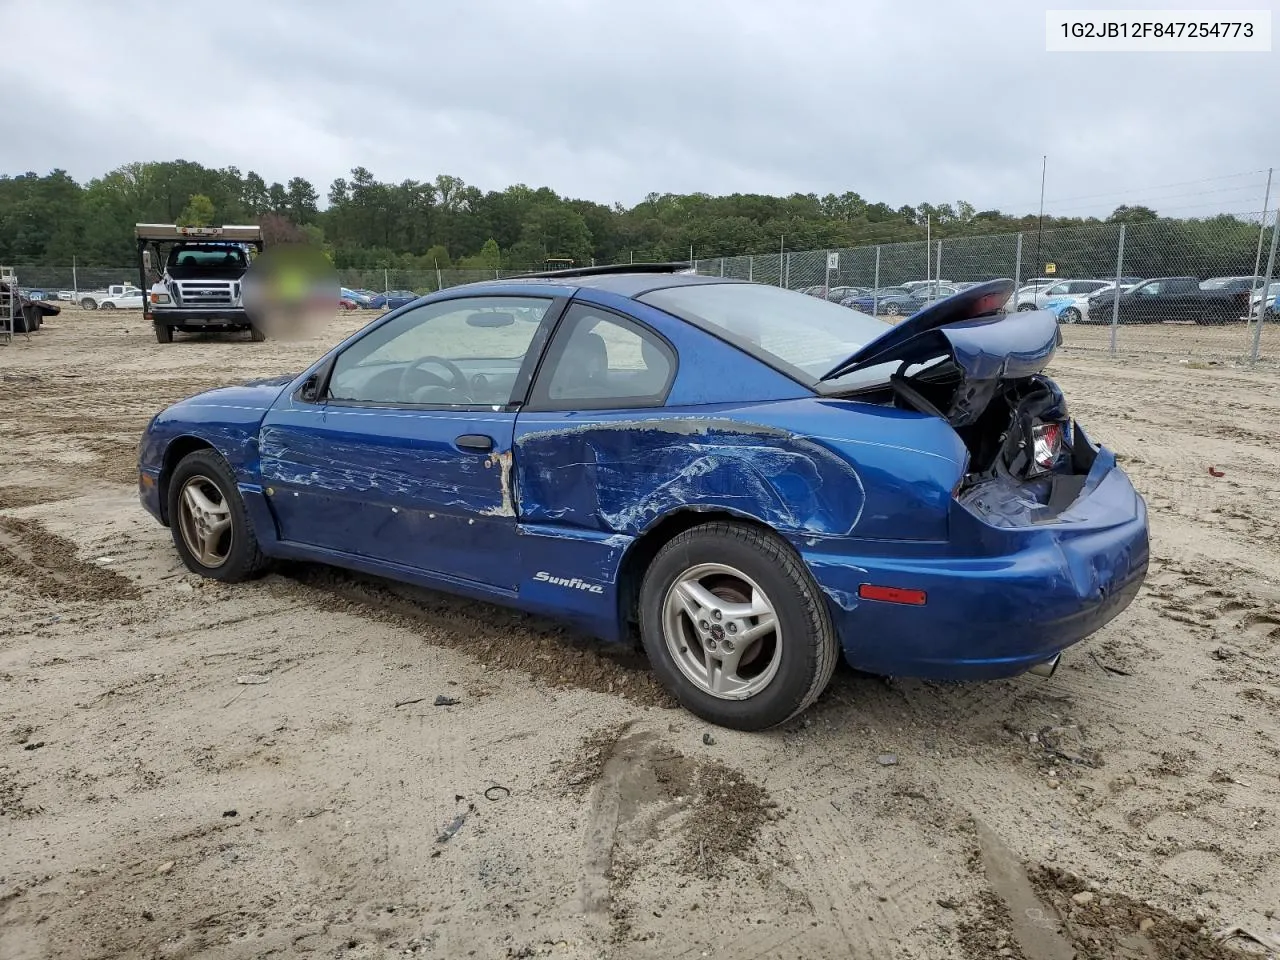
pixel 446 223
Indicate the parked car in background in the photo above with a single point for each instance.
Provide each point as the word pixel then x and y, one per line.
pixel 1035 297
pixel 840 294
pixel 398 298
pixel 346 303
pixel 1233 284
pixel 913 302
pixel 1170 298
pixel 1075 309
pixel 118 296
pixel 391 300
pixel 1269 307
pixel 355 296
pixel 915 284
pixel 864 302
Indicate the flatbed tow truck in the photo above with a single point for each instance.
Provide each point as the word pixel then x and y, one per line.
pixel 194 277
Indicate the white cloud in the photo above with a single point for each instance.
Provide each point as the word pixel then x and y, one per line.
pixel 903 102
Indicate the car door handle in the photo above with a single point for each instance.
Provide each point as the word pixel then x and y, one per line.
pixel 475 441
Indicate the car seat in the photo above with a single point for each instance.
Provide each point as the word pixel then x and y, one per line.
pixel 582 368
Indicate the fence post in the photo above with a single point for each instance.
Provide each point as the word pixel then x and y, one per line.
pixel 1262 232
pixel 1115 299
pixel 875 288
pixel 938 274
pixel 786 280
pixel 1262 299
pixel 439 282
pixel 1017 272
pixel 782 255
pixel 722 266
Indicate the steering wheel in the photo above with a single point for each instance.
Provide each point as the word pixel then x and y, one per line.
pixel 459 379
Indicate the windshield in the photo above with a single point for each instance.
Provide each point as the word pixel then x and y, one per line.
pixel 802 336
pixel 206 257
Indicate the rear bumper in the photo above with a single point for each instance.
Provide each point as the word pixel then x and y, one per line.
pixel 999 599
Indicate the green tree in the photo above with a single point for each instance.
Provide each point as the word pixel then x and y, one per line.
pixel 197 213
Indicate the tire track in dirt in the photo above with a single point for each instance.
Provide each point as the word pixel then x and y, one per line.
pixel 45 564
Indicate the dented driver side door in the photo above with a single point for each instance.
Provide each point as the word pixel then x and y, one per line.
pixel 405 457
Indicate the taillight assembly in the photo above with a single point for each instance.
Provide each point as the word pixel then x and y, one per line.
pixel 1047 441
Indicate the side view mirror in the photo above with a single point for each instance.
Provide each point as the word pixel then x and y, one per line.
pixel 309 392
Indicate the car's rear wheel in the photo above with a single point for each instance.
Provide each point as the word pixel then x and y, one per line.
pixel 210 526
pixel 88 303
pixel 892 309
pixel 735 627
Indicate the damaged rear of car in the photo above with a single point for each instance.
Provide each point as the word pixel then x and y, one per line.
pixel 1044 538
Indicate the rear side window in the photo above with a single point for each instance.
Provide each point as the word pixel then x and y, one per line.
pixel 803 337
pixel 600 360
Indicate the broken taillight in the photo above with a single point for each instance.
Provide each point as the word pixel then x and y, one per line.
pixel 1046 439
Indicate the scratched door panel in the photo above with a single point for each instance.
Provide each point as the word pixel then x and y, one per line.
pixel 392 485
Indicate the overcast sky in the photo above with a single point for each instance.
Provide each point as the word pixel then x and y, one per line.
pixel 901 100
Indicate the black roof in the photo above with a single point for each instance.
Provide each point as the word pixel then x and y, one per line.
pixel 626 279
pixel 638 284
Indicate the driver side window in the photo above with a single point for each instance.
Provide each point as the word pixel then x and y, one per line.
pixel 465 352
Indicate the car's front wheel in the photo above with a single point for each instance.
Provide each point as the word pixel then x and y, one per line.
pixel 735 627
pixel 1071 315
pixel 210 526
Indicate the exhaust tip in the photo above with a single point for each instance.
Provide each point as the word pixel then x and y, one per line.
pixel 1046 668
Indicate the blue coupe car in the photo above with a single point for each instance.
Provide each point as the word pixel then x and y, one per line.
pixel 750 480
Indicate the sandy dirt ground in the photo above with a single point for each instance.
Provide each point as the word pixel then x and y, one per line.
pixel 555 803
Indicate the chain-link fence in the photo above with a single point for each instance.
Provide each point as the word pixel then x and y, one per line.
pixel 1185 287
pixel 1197 288
pixel 53 281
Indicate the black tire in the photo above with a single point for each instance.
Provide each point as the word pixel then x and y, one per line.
pixel 808 647
pixel 106 305
pixel 1027 307
pixel 88 303
pixel 164 333
pixel 257 335
pixel 1070 315
pixel 244 560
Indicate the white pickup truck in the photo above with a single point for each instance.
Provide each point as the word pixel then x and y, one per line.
pixel 118 296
